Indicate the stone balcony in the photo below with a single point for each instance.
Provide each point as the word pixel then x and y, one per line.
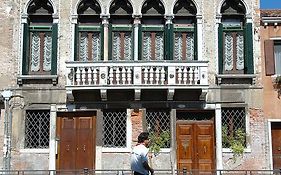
pixel 137 75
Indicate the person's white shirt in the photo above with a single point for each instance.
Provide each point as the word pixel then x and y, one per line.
pixel 138 157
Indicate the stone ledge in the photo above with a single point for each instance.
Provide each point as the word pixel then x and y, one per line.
pixel 37 79
pixel 236 79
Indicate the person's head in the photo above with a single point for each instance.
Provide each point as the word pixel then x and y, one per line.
pixel 144 138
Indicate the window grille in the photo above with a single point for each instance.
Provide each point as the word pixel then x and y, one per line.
pixel 114 129
pixel 37 127
pixel 158 122
pixel 233 120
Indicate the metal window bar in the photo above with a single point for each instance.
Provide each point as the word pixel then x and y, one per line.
pixel 114 129
pixel 233 119
pixel 37 124
pixel 158 122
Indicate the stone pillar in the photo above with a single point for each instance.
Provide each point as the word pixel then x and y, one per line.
pixel 218 137
pixel 105 37
pixel 52 144
pixel 199 38
pixel 136 37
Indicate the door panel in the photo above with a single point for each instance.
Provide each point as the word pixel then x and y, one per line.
pixel 76 143
pixel 84 143
pixel 184 148
pixel 205 146
pixel 67 144
pixel 195 145
pixel 276 144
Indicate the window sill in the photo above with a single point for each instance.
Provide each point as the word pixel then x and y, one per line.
pixel 37 79
pixel 44 151
pixel 228 150
pixel 116 150
pixel 236 79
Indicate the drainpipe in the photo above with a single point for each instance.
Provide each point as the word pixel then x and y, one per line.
pixel 7 137
pixel 7 95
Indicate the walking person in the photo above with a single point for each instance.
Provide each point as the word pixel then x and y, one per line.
pixel 139 157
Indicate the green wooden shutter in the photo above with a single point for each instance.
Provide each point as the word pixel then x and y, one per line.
pixel 54 48
pixel 249 65
pixel 76 35
pixel 110 41
pixel 25 50
pixel 168 46
pixel 220 48
pixel 140 42
pixel 171 38
pixel 102 41
pixel 195 43
pixel 166 42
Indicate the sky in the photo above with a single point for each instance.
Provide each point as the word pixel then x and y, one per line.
pixel 270 4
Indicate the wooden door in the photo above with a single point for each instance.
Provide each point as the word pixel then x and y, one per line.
pixel 276 144
pixel 76 143
pixel 195 145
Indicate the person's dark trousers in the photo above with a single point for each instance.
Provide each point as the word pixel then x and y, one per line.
pixel 136 173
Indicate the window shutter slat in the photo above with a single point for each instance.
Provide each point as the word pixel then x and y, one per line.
pixel 249 49
pixel 76 43
pixel 269 57
pixel 220 45
pixel 25 53
pixel 54 48
pixel 140 42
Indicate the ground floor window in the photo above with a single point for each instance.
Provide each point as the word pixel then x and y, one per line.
pixel 233 127
pixel 158 122
pixel 114 129
pixel 37 127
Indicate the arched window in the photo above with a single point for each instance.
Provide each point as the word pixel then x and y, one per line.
pixel 184 31
pixel 40 40
pixel 152 31
pixel 235 39
pixel 88 32
pixel 121 30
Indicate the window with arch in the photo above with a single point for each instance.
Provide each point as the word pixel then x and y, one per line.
pixel 235 40
pixel 121 30
pixel 152 31
pixel 40 40
pixel 184 31
pixel 88 32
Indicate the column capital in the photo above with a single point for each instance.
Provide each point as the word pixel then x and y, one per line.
pixel 105 19
pixel 137 19
pixel 169 19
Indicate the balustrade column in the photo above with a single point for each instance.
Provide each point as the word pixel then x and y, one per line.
pixel 136 36
pixel 105 39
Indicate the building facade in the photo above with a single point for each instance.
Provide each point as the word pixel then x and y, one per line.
pixel 270 51
pixel 81 79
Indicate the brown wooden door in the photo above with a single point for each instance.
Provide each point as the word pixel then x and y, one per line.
pixel 276 144
pixel 195 145
pixel 76 143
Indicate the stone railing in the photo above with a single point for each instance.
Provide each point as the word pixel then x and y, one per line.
pixel 136 75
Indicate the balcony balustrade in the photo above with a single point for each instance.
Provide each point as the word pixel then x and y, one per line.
pixel 140 75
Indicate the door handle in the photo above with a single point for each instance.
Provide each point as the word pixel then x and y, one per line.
pixel 84 148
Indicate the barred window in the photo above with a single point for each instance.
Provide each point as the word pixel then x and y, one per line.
pixel 158 122
pixel 114 129
pixel 37 126
pixel 233 126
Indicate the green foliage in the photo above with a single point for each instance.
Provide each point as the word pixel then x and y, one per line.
pixel 158 141
pixel 277 85
pixel 235 141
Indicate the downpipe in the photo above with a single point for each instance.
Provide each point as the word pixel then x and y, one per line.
pixel 7 138
pixel 7 95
